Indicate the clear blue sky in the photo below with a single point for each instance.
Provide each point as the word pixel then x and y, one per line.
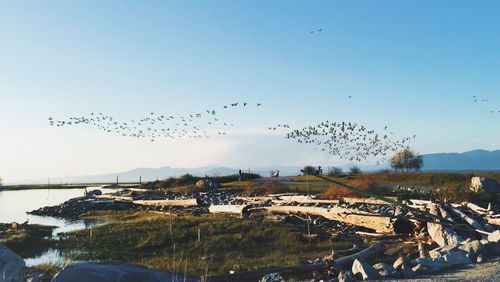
pixel 411 65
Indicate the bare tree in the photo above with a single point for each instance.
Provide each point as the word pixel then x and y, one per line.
pixel 407 160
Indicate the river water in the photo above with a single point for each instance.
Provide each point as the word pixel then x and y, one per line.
pixel 15 204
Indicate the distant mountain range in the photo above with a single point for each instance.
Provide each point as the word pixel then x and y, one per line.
pixel 149 174
pixel 477 160
pixel 466 161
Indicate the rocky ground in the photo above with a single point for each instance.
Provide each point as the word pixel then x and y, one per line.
pixel 484 272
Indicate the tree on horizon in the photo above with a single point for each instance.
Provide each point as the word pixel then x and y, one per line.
pixel 407 160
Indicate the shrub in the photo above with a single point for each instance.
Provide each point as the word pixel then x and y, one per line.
pixel 186 179
pixel 308 170
pixel 335 171
pixel 354 170
pixel 336 192
pixel 454 192
pixel 251 191
pixel 275 188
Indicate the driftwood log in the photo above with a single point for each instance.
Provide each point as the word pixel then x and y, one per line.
pixel 474 223
pixel 341 263
pixel 371 201
pixel 177 203
pixel 440 234
pixel 234 209
pixel 378 223
pixel 115 198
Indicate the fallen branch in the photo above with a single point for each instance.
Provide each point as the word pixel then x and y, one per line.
pixel 379 223
pixel 177 203
pixel 371 201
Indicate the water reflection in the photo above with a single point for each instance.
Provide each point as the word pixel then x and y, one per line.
pixel 52 256
pixel 15 204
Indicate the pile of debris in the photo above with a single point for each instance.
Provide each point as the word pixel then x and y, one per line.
pixel 447 234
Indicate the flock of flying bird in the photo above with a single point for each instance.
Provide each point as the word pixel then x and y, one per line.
pixel 155 126
pixel 477 100
pixel 347 140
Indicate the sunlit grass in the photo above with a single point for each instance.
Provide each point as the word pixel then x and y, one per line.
pixel 226 243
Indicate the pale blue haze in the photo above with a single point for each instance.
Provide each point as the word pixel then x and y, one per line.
pixel 411 65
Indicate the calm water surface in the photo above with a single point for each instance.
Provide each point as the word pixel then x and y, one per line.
pixel 15 204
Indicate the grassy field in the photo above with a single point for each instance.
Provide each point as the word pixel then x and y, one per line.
pixel 411 178
pixel 171 242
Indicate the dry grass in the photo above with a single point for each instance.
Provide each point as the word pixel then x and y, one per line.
pixel 336 192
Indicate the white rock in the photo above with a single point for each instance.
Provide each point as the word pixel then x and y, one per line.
pixel 363 269
pixel 483 184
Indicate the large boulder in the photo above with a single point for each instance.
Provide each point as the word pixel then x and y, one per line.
pixel 115 272
pixel 483 184
pixel 207 184
pixel 456 259
pixel 422 265
pixel 492 249
pixel 363 270
pixel 11 266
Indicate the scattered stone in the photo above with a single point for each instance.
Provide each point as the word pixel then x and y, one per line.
pixel 456 258
pixel 483 184
pixel 432 265
pixel 384 269
pixel 363 270
pixel 346 276
pixel 420 269
pixel 439 252
pixel 494 236
pixel 11 266
pixel 37 276
pixel 473 248
pixel 399 263
pixel 272 277
pixel 115 272
pixel 480 258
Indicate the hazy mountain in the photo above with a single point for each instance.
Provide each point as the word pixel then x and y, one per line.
pixel 471 160
pixel 466 161
pixel 148 174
